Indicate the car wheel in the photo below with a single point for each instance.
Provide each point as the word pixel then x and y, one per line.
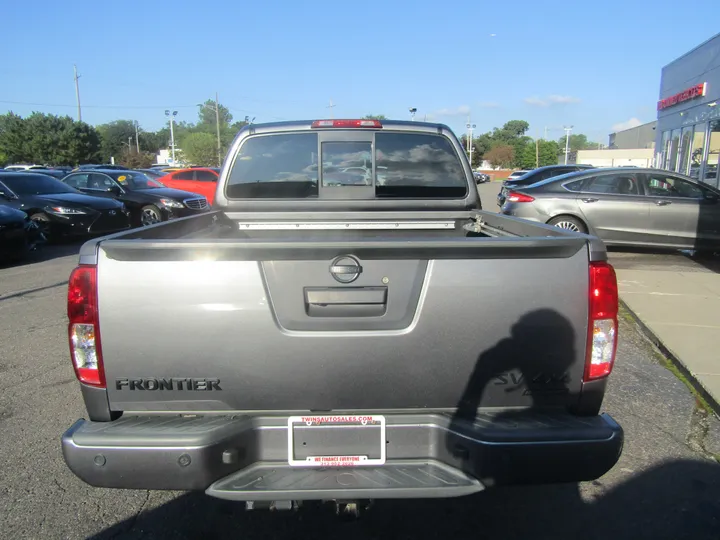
pixel 570 223
pixel 45 229
pixel 150 215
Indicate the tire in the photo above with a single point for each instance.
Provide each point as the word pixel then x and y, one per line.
pixel 150 215
pixel 570 223
pixel 43 223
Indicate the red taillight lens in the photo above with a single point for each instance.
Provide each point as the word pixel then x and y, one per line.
pixel 83 327
pixel 603 321
pixel 513 196
pixel 347 124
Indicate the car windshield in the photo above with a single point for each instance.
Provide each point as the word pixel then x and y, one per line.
pixel 135 181
pixel 35 184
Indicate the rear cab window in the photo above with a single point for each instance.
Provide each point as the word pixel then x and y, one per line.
pixel 347 164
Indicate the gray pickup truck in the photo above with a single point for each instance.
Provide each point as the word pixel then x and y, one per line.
pixel 347 324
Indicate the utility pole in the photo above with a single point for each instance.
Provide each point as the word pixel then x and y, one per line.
pixel 331 108
pixel 537 153
pixel 217 122
pixel 567 129
pixel 130 145
pixel 77 93
pixel 137 136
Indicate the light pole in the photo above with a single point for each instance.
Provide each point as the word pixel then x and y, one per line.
pixel 413 110
pixel 567 129
pixel 172 132
pixel 470 128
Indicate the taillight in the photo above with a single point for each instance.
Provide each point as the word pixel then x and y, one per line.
pixel 347 124
pixel 603 321
pixel 83 327
pixel 513 196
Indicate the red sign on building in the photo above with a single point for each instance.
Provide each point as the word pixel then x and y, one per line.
pixel 694 91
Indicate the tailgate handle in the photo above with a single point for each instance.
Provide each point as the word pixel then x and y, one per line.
pixel 345 301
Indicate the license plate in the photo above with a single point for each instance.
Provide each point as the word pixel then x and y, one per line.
pixel 336 441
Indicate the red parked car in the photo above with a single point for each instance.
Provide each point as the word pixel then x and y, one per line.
pixel 202 181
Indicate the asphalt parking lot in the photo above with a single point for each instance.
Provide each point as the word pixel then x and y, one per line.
pixel 666 484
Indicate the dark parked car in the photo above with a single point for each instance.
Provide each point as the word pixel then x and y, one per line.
pixel 537 175
pixel 625 206
pixel 58 174
pixel 92 166
pixel 58 209
pixel 481 178
pixel 18 233
pixel 148 200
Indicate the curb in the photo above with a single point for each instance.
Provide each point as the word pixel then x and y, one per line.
pixel 674 360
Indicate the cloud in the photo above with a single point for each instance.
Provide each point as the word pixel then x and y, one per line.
pixel 552 99
pixel 622 126
pixel 462 110
pixel 489 105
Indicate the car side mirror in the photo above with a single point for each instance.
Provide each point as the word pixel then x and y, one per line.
pixel 6 195
pixel 115 190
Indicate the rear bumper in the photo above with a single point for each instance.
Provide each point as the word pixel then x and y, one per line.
pixel 246 458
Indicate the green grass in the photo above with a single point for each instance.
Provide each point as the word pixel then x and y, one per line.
pixel 668 364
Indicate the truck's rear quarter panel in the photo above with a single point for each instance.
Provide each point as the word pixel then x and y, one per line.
pixel 488 332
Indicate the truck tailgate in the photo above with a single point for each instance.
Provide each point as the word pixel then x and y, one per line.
pixel 279 326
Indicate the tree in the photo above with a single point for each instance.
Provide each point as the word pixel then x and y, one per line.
pixel 515 129
pixel 374 117
pixel 206 114
pixel 133 160
pixel 115 136
pixel 153 141
pixel 578 141
pixel 200 149
pixel 13 138
pixel 501 156
pixel 548 152
pixel 527 158
pixel 48 139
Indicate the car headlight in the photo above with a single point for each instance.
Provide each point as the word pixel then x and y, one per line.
pixel 64 210
pixel 171 204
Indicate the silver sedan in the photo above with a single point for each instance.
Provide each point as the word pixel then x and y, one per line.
pixel 630 207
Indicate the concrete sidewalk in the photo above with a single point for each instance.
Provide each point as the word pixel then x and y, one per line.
pixel 682 310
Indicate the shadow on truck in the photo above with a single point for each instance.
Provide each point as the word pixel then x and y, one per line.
pixel 536 364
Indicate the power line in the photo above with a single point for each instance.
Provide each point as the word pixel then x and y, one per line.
pixel 99 106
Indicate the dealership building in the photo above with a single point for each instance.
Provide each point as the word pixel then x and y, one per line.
pixel 687 135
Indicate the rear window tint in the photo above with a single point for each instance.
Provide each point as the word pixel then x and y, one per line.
pixel 282 166
pixel 410 165
pixel 405 165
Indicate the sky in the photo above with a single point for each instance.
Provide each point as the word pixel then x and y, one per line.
pixel 593 65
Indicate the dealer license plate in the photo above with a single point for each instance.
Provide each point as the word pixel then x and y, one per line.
pixel 336 440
